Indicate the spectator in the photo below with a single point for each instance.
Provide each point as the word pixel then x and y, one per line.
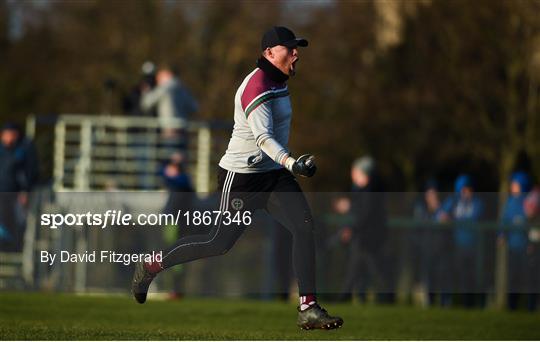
pixel 172 100
pixel 433 247
pixel 342 221
pixel 532 210
pixel 335 234
pixel 465 209
pixel 516 237
pixel 181 197
pixel 18 174
pixel 175 176
pixel 132 101
pixel 369 262
pixel 140 138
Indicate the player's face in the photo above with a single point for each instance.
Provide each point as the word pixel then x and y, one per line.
pixel 284 59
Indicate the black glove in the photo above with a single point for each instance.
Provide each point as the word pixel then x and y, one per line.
pixel 304 166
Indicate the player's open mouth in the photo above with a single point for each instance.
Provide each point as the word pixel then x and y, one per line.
pixel 293 65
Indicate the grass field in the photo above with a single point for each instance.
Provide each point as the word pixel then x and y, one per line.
pixel 40 316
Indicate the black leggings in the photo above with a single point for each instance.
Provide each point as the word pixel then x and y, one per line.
pixel 276 191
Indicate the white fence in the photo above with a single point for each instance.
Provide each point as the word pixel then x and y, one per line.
pixel 97 152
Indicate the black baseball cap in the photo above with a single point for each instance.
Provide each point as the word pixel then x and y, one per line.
pixel 279 35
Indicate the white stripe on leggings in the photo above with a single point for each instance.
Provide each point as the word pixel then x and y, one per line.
pixel 222 207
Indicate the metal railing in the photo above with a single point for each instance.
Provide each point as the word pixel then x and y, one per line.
pixel 96 152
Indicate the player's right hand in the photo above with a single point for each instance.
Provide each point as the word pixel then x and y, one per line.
pixel 304 166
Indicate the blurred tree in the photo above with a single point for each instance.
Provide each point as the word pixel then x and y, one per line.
pixel 4 48
pixel 459 85
pixel 4 25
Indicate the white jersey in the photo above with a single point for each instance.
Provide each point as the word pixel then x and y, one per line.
pixel 262 115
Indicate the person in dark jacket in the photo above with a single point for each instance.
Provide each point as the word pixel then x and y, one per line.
pixel 517 239
pixel 141 145
pixel 368 262
pixel 131 103
pixel 18 174
pixel 464 209
pixel 431 242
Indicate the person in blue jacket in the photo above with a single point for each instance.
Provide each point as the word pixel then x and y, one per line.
pixel 465 209
pixel 19 171
pixel 515 235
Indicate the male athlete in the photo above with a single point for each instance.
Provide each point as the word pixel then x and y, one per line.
pixel 258 172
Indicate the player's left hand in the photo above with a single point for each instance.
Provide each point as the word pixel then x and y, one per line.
pixel 305 166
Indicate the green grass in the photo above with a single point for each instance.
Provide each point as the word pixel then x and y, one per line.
pixel 43 316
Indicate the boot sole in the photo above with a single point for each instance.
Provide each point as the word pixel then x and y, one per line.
pixel 328 326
